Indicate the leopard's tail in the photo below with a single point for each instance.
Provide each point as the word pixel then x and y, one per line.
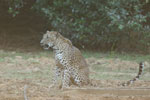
pixel 141 67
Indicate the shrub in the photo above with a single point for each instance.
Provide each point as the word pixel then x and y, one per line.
pixel 95 23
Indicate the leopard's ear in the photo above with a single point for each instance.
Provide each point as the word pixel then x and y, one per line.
pixel 48 35
pixel 47 31
pixel 57 34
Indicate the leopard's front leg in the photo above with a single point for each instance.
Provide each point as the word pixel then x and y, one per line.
pixel 66 79
pixel 57 77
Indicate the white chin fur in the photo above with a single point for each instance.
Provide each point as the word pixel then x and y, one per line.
pixel 46 48
pixel 49 45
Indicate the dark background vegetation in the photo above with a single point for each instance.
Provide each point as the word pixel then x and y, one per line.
pixel 106 25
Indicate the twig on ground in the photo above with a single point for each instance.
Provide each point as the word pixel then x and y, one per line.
pixel 25 93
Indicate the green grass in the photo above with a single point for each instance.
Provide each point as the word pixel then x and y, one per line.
pixel 123 56
pixel 13 54
pixel 102 72
pixel 86 54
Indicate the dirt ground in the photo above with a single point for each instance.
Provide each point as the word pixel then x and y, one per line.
pixel 29 79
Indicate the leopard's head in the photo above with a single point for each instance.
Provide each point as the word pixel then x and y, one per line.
pixel 48 40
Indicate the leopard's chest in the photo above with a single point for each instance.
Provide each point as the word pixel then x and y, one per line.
pixel 61 58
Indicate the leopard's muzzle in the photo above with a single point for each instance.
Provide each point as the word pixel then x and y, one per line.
pixel 45 46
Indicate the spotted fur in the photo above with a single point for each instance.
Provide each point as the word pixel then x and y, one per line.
pixel 70 64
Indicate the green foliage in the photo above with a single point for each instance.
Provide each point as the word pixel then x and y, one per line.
pixel 92 23
pixel 145 40
pixel 12 11
pixel 14 6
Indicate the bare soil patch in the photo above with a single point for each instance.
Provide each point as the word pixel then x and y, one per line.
pixel 13 90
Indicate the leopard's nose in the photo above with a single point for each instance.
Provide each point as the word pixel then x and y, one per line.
pixel 46 45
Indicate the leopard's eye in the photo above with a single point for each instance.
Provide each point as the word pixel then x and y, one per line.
pixel 46 37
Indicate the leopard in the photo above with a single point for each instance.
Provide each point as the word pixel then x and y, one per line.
pixel 71 67
pixel 70 64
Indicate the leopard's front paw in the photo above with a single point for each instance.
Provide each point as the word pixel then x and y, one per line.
pixel 54 86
